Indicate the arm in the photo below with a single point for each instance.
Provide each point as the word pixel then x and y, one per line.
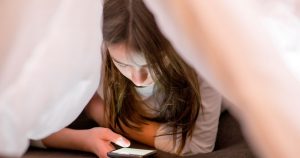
pixel 95 109
pixel 96 140
pixel 147 134
pixel 68 139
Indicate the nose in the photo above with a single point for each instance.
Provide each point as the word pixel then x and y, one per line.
pixel 139 75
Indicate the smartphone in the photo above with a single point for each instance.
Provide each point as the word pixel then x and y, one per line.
pixel 131 152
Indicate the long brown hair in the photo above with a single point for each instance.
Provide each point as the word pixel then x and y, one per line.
pixel 176 83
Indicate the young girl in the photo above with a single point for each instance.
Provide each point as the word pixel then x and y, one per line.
pixel 148 92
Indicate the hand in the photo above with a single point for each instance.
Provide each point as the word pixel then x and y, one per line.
pixel 99 140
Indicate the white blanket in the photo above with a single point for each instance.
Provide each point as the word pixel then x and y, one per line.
pixel 49 67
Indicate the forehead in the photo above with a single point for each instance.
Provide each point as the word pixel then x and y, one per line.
pixel 122 53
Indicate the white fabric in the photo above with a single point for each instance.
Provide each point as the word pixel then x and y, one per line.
pixel 49 67
pixel 249 51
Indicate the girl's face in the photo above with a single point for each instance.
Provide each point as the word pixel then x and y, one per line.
pixel 131 64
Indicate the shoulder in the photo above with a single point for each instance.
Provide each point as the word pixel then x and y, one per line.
pixel 208 92
pixel 211 100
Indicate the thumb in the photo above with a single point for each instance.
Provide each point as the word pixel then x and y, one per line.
pixel 121 141
pixel 117 139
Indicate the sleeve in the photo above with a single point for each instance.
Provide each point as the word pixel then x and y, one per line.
pixel 205 131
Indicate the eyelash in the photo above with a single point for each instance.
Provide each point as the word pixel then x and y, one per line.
pixel 122 65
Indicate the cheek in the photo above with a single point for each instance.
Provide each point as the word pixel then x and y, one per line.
pixel 125 71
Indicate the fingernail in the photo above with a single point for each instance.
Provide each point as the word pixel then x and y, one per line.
pixel 122 142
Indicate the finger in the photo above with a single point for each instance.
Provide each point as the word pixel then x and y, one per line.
pixel 107 147
pixel 121 141
pixel 111 147
pixel 116 138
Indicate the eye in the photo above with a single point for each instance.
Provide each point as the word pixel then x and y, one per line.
pixel 122 65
